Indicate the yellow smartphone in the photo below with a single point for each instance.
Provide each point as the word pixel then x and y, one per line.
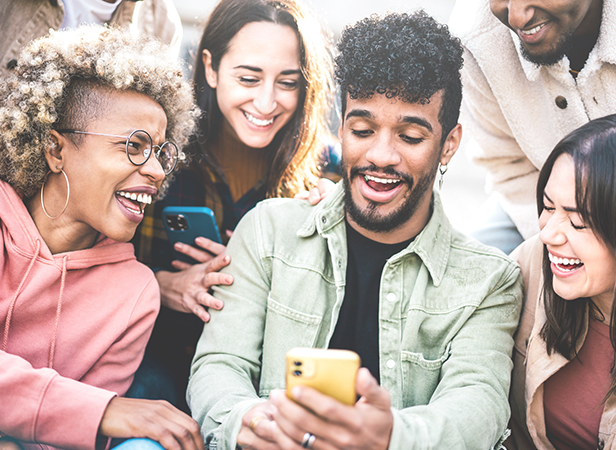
pixel 331 372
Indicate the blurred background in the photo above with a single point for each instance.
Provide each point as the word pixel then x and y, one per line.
pixel 463 187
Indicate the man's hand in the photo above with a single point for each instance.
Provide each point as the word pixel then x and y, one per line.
pixel 188 290
pixel 366 425
pixel 153 419
pixel 318 193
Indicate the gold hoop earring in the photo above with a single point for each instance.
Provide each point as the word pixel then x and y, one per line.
pixel 68 194
pixel 442 168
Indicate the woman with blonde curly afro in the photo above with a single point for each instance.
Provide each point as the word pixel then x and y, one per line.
pixel 91 123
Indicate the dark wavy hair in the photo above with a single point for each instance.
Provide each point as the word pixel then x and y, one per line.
pixel 593 149
pixel 410 57
pixel 297 147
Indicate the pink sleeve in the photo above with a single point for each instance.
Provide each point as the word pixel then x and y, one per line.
pixel 115 369
pixel 66 413
pixel 47 407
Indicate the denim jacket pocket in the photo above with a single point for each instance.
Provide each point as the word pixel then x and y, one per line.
pixel 420 376
pixel 285 328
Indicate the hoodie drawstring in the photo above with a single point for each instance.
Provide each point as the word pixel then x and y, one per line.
pixel 7 325
pixel 58 309
pixel 9 315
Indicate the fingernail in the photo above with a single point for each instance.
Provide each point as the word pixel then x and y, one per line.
pixel 296 392
pixel 218 305
pixel 228 280
pixel 178 245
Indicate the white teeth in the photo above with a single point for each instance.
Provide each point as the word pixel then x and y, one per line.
pixel 380 180
pixel 532 30
pixel 141 198
pixel 258 122
pixel 134 211
pixel 563 261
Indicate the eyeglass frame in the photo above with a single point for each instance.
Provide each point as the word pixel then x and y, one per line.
pixel 180 154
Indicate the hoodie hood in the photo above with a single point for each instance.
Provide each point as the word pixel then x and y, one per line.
pixel 19 230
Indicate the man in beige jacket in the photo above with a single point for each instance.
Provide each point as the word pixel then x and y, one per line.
pixel 24 20
pixel 534 70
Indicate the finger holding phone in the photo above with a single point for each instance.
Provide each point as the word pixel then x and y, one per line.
pixel 188 290
pixel 306 417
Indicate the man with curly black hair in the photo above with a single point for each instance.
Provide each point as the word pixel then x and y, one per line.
pixel 374 268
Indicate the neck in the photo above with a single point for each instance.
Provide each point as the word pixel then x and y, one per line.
pixel 243 166
pixel 586 36
pixel 604 303
pixel 61 235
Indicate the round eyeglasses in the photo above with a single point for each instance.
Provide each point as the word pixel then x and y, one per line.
pixel 139 147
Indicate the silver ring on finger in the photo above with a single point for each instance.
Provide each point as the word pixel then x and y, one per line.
pixel 308 440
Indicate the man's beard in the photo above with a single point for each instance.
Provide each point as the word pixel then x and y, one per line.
pixel 369 218
pixel 554 55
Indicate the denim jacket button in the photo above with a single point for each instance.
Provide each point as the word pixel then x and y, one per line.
pixel 391 297
pixel 391 364
pixel 324 219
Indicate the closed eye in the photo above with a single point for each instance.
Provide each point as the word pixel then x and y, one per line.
pixel 289 84
pixel 249 80
pixel 362 133
pixel 411 140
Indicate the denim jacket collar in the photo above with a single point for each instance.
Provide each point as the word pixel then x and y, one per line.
pixel 432 244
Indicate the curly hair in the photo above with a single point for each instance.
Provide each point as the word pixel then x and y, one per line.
pixel 298 145
pixel 409 57
pixel 41 94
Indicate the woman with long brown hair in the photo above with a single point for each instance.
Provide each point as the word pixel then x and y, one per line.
pixel 263 80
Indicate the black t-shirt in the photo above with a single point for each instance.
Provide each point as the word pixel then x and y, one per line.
pixel 358 323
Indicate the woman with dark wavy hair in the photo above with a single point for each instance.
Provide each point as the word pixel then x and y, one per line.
pixel 263 79
pixel 564 382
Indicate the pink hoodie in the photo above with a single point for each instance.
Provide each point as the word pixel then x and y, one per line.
pixel 73 327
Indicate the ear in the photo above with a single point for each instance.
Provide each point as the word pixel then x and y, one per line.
pixel 451 144
pixel 210 74
pixel 340 131
pixel 54 151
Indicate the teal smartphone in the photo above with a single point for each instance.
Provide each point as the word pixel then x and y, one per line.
pixel 185 223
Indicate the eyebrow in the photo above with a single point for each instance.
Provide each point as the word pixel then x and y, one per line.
pixel 566 208
pixel 411 120
pixel 258 69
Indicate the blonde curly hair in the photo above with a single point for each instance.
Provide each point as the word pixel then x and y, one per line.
pixel 33 99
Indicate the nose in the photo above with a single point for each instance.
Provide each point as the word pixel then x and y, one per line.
pixel 265 100
pixel 152 169
pixel 383 152
pixel 520 13
pixel 551 231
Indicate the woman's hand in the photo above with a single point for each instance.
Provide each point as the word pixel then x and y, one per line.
pixel 318 193
pixel 188 289
pixel 153 419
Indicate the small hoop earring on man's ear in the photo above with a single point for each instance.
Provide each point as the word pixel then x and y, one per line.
pixel 68 194
pixel 442 168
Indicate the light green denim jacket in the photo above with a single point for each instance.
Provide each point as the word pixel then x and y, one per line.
pixel 448 308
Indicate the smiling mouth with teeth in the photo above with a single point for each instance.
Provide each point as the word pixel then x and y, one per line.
pixel 258 122
pixel 565 264
pixel 139 199
pixel 532 30
pixel 381 184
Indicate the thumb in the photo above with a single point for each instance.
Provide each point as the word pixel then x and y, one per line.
pixel 370 391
